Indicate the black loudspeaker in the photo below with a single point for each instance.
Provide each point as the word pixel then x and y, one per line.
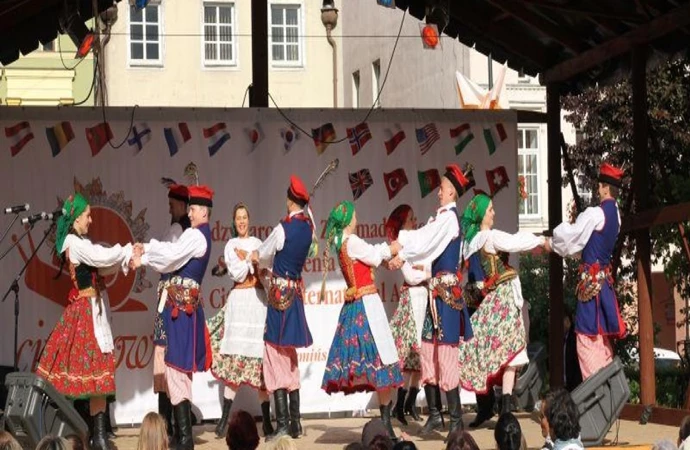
pixel 600 400
pixel 34 409
pixel 4 371
pixel 531 380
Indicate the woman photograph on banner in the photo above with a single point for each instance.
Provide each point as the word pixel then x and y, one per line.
pixel 78 356
pixel 499 346
pixel 237 330
pixel 362 357
pixel 408 319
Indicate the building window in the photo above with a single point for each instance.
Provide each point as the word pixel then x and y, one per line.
pixel 528 170
pixel 49 46
pixel 145 35
pixel 285 35
pixel 219 43
pixel 355 89
pixel 376 82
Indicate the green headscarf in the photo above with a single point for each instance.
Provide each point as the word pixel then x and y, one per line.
pixel 73 207
pixel 339 218
pixel 473 215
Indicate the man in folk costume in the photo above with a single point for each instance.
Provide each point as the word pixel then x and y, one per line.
pixel 188 345
pixel 594 233
pixel 447 319
pixel 286 324
pixel 178 198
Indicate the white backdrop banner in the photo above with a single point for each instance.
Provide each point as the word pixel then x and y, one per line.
pixel 245 155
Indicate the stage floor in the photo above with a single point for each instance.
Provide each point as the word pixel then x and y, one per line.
pixel 336 433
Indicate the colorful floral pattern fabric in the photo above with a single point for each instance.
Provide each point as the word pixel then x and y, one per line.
pixel 353 362
pixel 404 331
pixel 72 361
pixel 499 335
pixel 232 370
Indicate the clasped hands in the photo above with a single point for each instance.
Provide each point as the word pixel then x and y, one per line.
pixel 137 251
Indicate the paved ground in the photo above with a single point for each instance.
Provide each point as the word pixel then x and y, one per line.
pixel 335 433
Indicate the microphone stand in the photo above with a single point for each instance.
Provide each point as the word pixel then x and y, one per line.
pixel 14 287
pixel 31 227
pixel 4 233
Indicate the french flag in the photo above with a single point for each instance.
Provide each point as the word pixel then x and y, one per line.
pixel 20 134
pixel 177 137
pixel 217 135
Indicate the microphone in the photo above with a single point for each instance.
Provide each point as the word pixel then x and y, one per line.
pixel 17 209
pixel 34 218
pixel 54 215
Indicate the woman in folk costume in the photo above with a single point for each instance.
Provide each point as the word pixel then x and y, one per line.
pixel 78 357
pixel 237 331
pixel 362 357
pixel 408 318
pixel 594 234
pixel 499 344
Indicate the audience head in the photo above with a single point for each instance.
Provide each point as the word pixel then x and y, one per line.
pixel 355 446
pixel 153 434
pixel 78 442
pixel 461 440
pixel 405 445
pixel 8 442
pixel 372 429
pixel 664 444
pixel 380 442
pixel 242 433
pixel 561 413
pixel 684 431
pixel 51 442
pixel 508 433
pixel 284 442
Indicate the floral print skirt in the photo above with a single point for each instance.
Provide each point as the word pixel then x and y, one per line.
pixel 404 331
pixel 499 336
pixel 354 364
pixel 72 361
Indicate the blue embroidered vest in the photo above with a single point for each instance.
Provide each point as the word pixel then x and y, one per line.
pixel 600 245
pixel 289 261
pixel 195 268
pixel 447 262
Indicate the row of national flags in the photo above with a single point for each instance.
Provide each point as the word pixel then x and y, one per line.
pixel 429 180
pixel 217 136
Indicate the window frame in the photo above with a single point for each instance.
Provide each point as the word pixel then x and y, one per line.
pixel 523 152
pixel 376 83
pixel 131 62
pixel 285 64
pixel 356 83
pixel 211 64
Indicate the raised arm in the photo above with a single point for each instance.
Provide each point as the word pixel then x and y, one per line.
pixel 428 242
pixel 273 243
pixel 514 243
pixel 83 251
pixel 570 238
pixel 166 257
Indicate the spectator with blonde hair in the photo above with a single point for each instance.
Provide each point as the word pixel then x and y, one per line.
pixel 285 442
pixel 153 434
pixel 8 442
pixel 51 442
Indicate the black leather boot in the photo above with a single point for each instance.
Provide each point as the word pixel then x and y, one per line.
pixel 280 398
pixel 165 410
pixel 454 411
pixel 399 410
pixel 485 408
pixel 411 404
pixel 386 419
pixel 183 417
pixel 222 427
pixel 99 440
pixel 266 418
pixel 295 424
pixel 506 405
pixel 434 422
pixel 437 390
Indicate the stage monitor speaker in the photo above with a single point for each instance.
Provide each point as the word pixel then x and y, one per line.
pixel 35 409
pixel 531 380
pixel 600 400
pixel 4 371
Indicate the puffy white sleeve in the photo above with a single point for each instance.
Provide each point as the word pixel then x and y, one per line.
pixel 428 242
pixel 273 243
pixel 166 257
pixel 513 243
pixel 237 268
pixel 173 233
pixel 106 259
pixel 414 276
pixel 570 238
pixel 369 254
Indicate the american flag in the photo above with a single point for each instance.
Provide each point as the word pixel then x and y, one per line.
pixel 358 136
pixel 427 136
pixel 360 181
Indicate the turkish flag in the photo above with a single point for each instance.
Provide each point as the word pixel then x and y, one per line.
pixel 98 137
pixel 394 181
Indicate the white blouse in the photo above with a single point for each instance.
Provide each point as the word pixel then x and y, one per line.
pixel 238 269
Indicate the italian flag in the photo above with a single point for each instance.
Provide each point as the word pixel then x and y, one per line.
pixel 462 135
pixel 494 136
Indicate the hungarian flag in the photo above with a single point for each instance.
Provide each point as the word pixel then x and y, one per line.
pixel 360 181
pixel 462 135
pixel 20 135
pixel 98 137
pixel 323 136
pixel 358 136
pixel 139 136
pixel 176 138
pixel 497 178
pixel 429 180
pixel 255 135
pixel 59 136
pixel 493 136
pixel 392 143
pixel 394 181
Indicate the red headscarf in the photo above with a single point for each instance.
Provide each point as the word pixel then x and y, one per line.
pixel 396 220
